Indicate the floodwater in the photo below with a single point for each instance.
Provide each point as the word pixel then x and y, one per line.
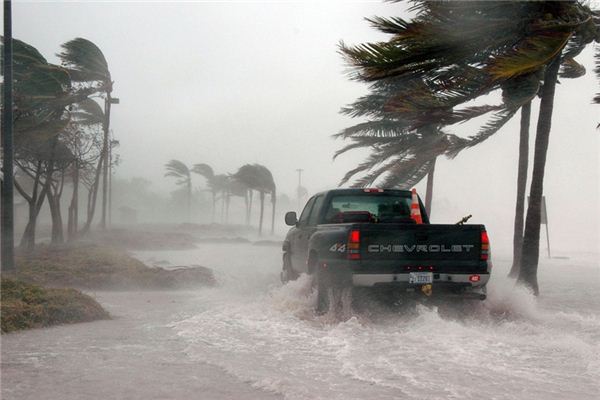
pixel 252 337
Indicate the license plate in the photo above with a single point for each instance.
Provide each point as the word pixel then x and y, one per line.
pixel 420 277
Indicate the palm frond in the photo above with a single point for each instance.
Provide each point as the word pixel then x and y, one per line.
pixel 177 169
pixel 86 62
pixel 204 170
pixel 88 112
pixel 491 127
pixel 531 54
pixel 597 71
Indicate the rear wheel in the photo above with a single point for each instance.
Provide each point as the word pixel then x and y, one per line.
pixel 334 293
pixel 324 290
pixel 287 272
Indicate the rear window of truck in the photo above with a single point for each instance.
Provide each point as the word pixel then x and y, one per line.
pixel 368 208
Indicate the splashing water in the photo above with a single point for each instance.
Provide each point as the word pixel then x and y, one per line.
pixel 512 346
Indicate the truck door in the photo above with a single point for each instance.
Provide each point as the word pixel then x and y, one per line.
pixel 295 235
pixel 306 227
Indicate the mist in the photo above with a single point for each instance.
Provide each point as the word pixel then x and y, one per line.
pixel 192 295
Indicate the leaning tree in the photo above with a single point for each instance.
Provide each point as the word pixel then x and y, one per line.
pixel 526 38
pixel 181 172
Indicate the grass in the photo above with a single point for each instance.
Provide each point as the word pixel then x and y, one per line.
pixel 41 292
pixel 94 267
pixel 25 306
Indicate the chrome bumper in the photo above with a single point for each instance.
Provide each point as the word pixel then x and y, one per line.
pixel 368 280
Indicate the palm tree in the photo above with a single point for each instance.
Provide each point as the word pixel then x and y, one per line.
pixel 258 177
pixel 525 39
pixel 86 114
pixel 409 133
pixel 86 64
pixel 179 170
pixel 208 173
pixel 220 184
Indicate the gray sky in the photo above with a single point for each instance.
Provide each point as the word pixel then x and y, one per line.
pixel 228 83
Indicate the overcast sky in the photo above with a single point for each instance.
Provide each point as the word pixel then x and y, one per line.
pixel 229 83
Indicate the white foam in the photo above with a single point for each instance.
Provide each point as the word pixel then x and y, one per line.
pixel 511 346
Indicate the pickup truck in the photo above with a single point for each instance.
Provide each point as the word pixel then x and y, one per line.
pixel 349 238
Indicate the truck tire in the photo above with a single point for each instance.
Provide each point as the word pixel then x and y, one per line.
pixel 324 291
pixel 287 272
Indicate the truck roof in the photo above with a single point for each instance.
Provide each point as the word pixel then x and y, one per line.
pixel 365 190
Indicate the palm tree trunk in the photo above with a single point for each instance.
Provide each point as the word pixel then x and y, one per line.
pixel 228 199
pixel 429 193
pixel 273 203
pixel 189 202
pixel 531 239
pixel 246 204
pixel 105 145
pixel 262 211
pixel 92 196
pixel 249 216
pixel 214 206
pixel 521 188
pixel 222 206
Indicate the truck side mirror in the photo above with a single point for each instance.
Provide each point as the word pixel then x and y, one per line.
pixel 290 218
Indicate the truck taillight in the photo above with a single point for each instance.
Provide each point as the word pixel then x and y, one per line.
pixel 485 246
pixel 354 245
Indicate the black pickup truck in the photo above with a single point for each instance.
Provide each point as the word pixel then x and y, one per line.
pixel 367 238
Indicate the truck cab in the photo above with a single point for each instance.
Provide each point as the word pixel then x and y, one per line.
pixel 370 238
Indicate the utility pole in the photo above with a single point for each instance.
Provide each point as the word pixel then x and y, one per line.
pixel 110 153
pixel 7 218
pixel 113 143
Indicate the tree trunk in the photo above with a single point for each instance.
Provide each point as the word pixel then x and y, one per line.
pixel 249 215
pixel 531 238
pixel 246 204
pixel 57 225
pixel 521 188
pixel 189 202
pixel 273 203
pixel 92 195
pixel 105 144
pixel 429 193
pixel 54 195
pixel 228 200
pixel 262 211
pixel 28 239
pixel 214 207
pixel 35 205
pixel 72 222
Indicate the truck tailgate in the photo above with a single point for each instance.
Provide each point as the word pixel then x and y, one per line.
pixel 408 247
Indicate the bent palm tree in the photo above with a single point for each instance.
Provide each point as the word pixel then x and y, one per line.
pixel 258 177
pixel 179 170
pixel 525 39
pixel 86 64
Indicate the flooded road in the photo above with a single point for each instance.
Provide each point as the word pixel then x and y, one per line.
pixel 253 338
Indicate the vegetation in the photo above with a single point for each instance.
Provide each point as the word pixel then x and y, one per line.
pixel 179 170
pixel 243 183
pixel 26 306
pixel 94 267
pixel 58 131
pixel 428 68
